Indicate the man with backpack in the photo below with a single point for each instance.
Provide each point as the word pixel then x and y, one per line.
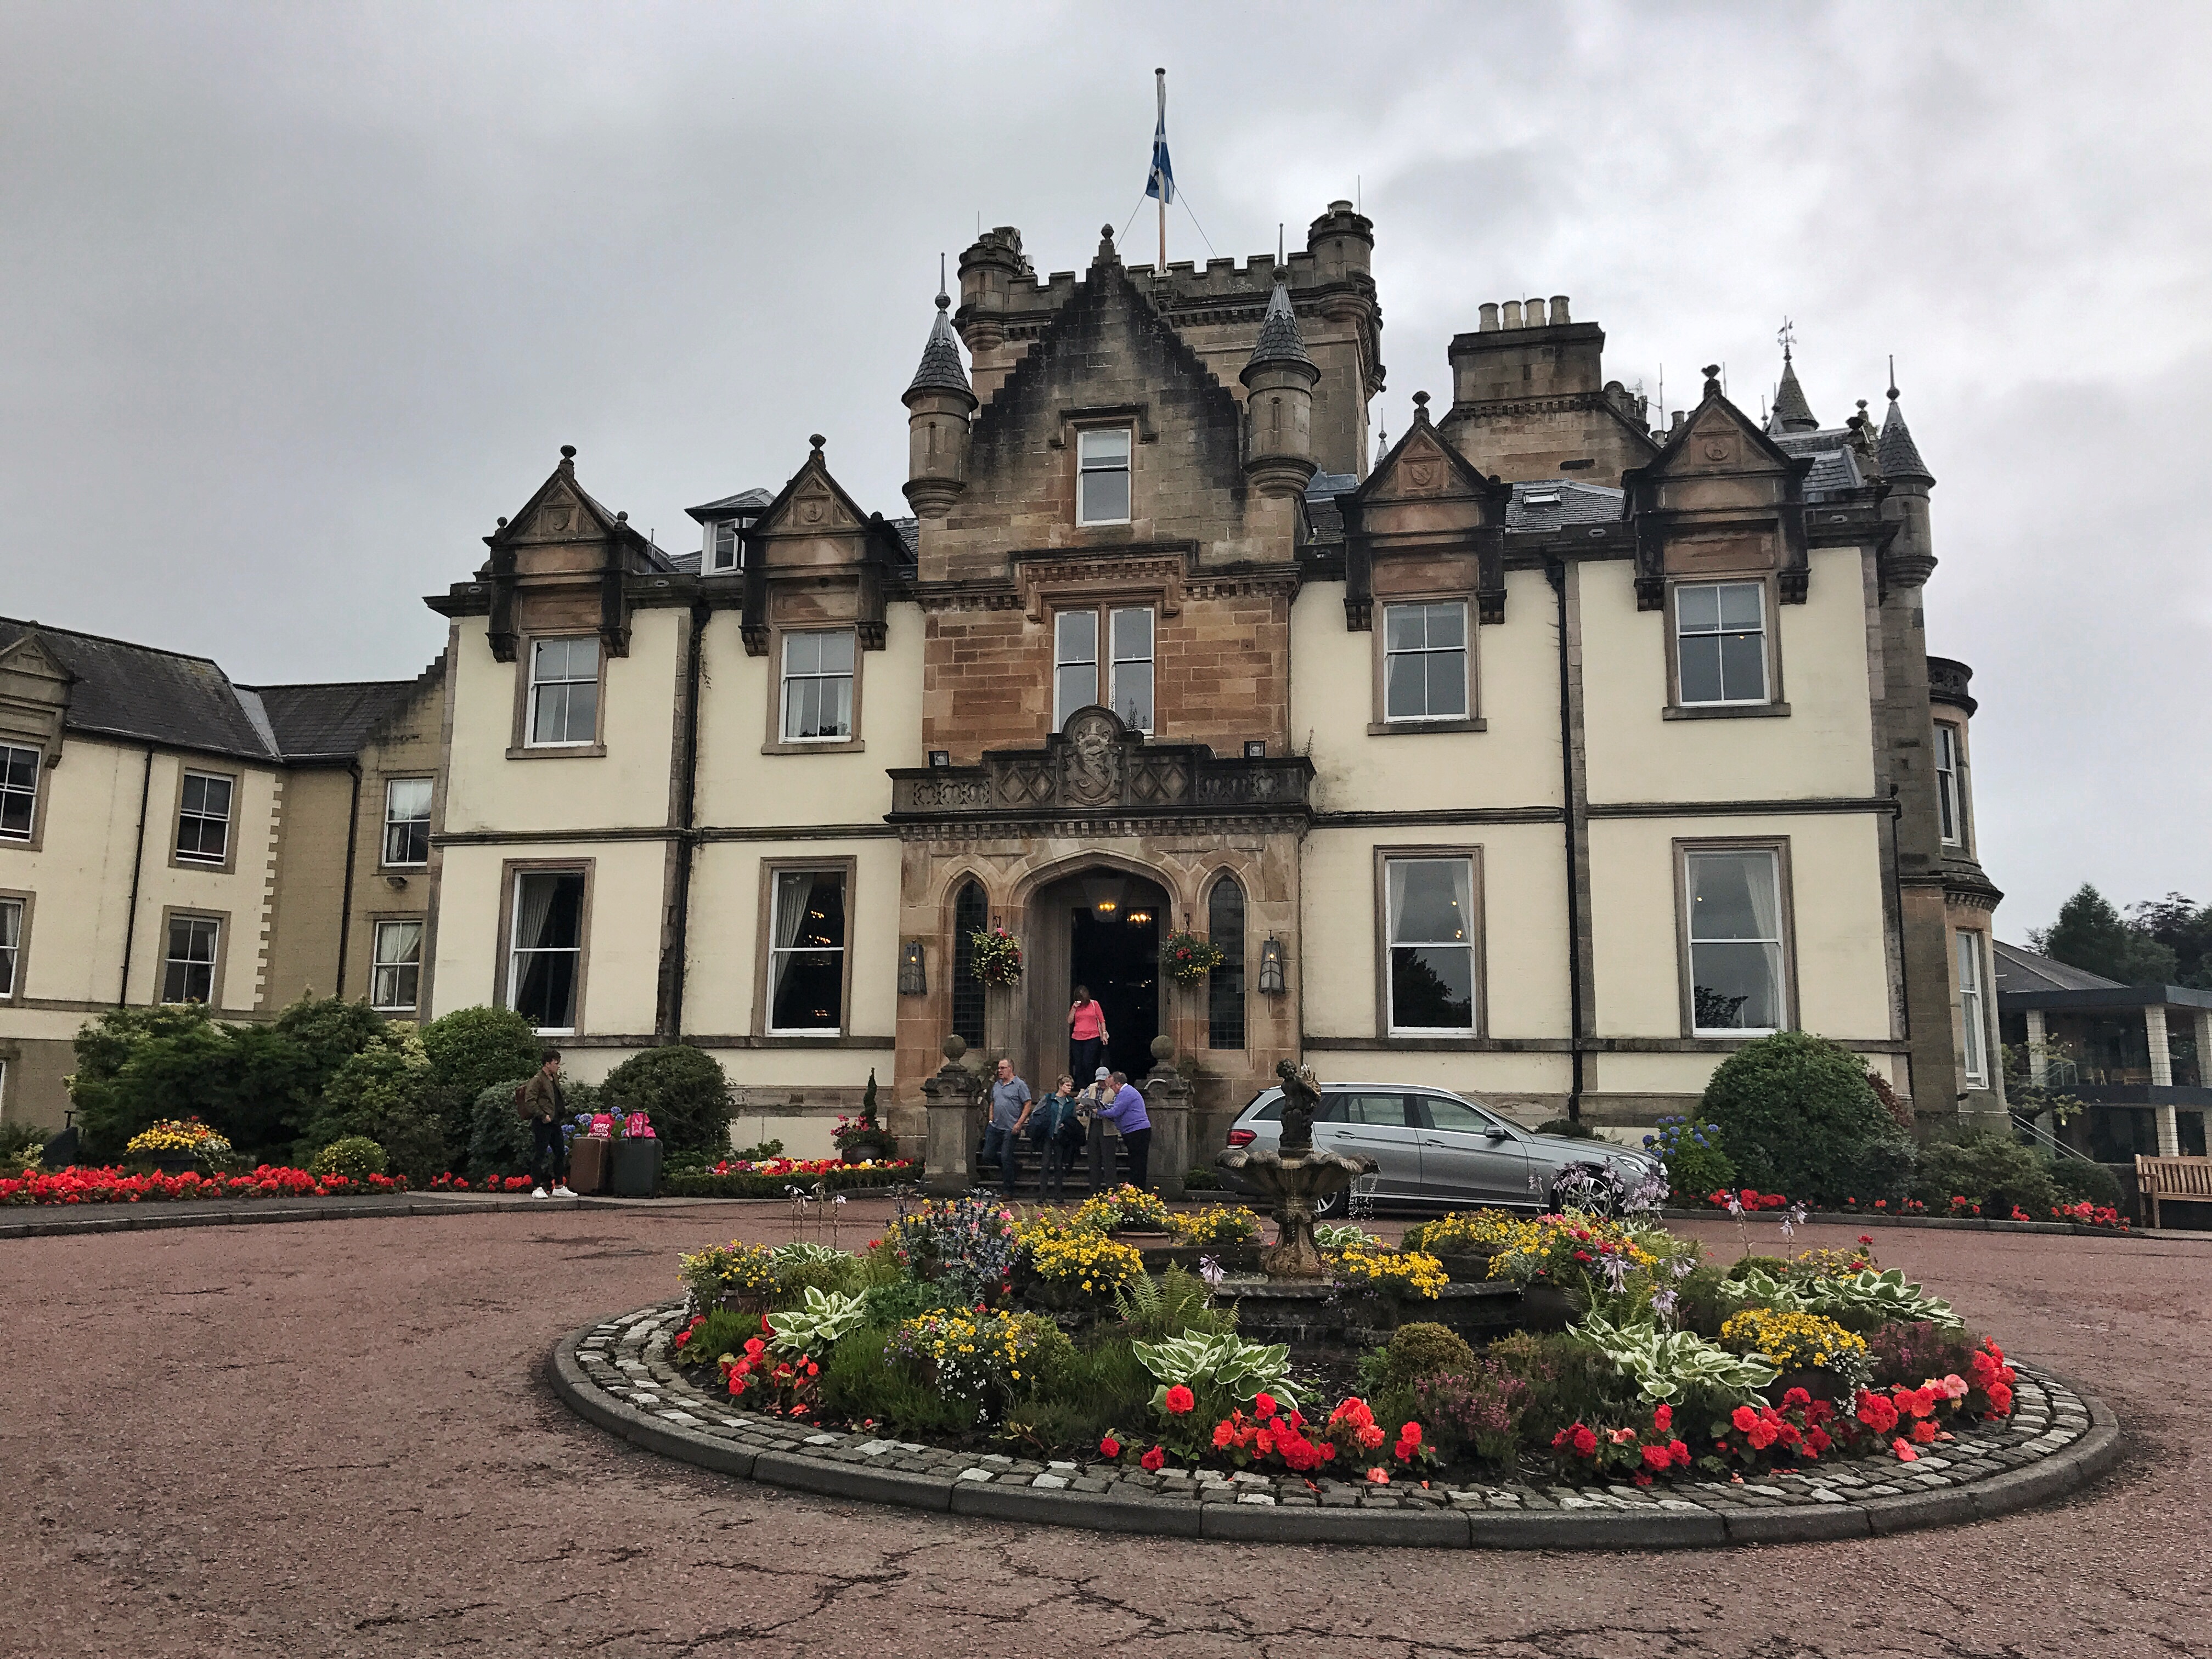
pixel 541 1103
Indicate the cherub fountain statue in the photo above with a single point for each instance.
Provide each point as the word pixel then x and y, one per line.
pixel 1293 1175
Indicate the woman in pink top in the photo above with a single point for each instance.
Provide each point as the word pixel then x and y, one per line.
pixel 1086 1034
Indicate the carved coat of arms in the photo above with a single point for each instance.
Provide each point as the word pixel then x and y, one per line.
pixel 1091 759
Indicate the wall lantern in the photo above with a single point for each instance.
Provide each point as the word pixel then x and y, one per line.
pixel 1256 748
pixel 1270 967
pixel 914 977
pixel 940 757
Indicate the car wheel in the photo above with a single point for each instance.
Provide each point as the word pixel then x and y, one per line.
pixel 1601 1197
pixel 1329 1206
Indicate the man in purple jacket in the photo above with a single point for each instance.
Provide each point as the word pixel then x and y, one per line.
pixel 1125 1111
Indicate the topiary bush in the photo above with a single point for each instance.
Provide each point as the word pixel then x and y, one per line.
pixel 1798 1117
pixel 1992 1169
pixel 2074 1180
pixel 469 1050
pixel 1424 1348
pixel 681 1089
pixel 357 1157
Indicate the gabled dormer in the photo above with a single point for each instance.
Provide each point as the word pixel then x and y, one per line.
pixel 34 697
pixel 813 557
pixel 1427 521
pixel 1721 499
pixel 560 565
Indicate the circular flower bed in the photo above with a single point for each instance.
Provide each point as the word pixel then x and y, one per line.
pixel 107 1185
pixel 1042 1335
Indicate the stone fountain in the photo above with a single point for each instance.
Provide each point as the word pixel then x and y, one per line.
pixel 1294 1176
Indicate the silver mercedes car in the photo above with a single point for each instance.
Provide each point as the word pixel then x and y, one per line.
pixel 1434 1150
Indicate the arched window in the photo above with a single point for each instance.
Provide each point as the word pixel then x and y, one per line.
pixel 969 914
pixel 1225 991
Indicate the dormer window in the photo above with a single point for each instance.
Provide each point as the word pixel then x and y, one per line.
pixel 724 548
pixel 1101 482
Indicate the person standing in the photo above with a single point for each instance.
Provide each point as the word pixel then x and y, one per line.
pixel 1087 1035
pixel 1126 1112
pixel 1054 1126
pixel 1010 1113
pixel 544 1105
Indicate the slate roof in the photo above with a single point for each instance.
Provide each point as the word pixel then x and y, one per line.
pixel 150 695
pixel 1323 522
pixel 1836 459
pixel 331 719
pixel 2020 971
pixel 1792 413
pixel 1280 340
pixel 1898 454
pixel 1550 504
pixel 737 505
pixel 941 369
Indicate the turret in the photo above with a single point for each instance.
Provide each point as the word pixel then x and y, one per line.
pixel 1792 412
pixel 1911 559
pixel 939 402
pixel 1279 383
pixel 988 271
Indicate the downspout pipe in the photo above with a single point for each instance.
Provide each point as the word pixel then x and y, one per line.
pixel 673 970
pixel 345 904
pixel 1555 572
pixel 137 865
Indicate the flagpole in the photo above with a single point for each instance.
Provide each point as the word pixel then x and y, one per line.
pixel 1160 78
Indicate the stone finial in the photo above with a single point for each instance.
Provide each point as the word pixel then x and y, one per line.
pixel 817 441
pixel 1420 408
pixel 1106 255
pixel 1712 373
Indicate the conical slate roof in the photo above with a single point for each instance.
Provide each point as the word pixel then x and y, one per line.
pixel 1280 340
pixel 1899 455
pixel 941 368
pixel 1791 412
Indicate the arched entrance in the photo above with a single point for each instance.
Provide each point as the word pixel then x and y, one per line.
pixel 1099 927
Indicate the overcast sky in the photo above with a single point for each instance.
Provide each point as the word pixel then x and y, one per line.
pixel 296 300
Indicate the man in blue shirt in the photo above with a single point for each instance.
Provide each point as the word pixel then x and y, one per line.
pixel 1010 1111
pixel 1126 1112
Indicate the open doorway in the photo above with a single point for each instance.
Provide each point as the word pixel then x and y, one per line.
pixel 1100 929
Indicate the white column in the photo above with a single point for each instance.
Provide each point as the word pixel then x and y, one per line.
pixel 2037 1064
pixel 2161 1057
pixel 2204 1048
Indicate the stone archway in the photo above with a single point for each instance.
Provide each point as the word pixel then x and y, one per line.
pixel 1099 925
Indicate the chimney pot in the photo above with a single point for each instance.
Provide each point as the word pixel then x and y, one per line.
pixel 1535 314
pixel 1488 323
pixel 1512 317
pixel 1558 310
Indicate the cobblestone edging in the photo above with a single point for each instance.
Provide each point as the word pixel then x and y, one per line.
pixel 618 1374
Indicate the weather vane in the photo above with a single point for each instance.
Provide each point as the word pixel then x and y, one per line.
pixel 1787 334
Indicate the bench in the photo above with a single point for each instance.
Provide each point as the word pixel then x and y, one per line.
pixel 2187 1180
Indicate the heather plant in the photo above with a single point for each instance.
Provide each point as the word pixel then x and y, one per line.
pixel 1906 1355
pixel 1478 1408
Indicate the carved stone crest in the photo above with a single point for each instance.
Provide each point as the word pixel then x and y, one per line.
pixel 1090 766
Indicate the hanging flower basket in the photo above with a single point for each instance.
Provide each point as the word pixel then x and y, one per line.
pixel 1188 957
pixel 996 955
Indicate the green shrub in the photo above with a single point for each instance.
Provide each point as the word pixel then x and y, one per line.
pixel 726 1331
pixel 500 1140
pixel 1773 1266
pixel 379 1093
pixel 357 1157
pixel 866 1381
pixel 1796 1114
pixel 1424 1348
pixel 471 1049
pixel 1994 1170
pixel 1087 1393
pixel 2074 1180
pixel 1696 1163
pixel 1177 1303
pixel 1568 1383
pixel 1699 1304
pixel 841 1273
pixel 893 1303
pixel 696 1182
pixel 682 1089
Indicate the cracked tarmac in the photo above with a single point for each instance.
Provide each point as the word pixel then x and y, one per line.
pixel 336 1439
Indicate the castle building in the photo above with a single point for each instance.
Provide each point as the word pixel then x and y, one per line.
pixel 1546 755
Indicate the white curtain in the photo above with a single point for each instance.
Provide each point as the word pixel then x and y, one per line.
pixel 793 888
pixel 533 907
pixel 1763 880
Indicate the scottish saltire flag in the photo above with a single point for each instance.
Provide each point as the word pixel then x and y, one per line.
pixel 1161 183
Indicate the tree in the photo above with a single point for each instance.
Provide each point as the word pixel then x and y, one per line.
pixel 2091 935
pixel 2184 927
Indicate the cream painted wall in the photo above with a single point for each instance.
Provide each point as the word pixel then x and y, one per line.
pixel 1474 1074
pixel 1683 1074
pixel 738 784
pixel 1524 925
pixel 1824 747
pixel 628 785
pixel 81 875
pixel 723 933
pixel 1514 763
pixel 622 944
pixel 1842 977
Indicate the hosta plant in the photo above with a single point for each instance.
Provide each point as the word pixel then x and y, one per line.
pixel 815 1329
pixel 1885 1298
pixel 1217 1369
pixel 1665 1363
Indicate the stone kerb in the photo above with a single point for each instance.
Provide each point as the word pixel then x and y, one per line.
pixel 618 1375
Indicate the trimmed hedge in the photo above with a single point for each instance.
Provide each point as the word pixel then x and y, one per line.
pixel 1798 1115
pixel 705 1183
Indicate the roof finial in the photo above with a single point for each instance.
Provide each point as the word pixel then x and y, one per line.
pixel 1892 377
pixel 1712 373
pixel 1420 408
pixel 1279 247
pixel 817 440
pixel 944 300
pixel 568 451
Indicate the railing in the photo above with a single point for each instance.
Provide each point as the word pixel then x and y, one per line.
pixel 2036 1135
